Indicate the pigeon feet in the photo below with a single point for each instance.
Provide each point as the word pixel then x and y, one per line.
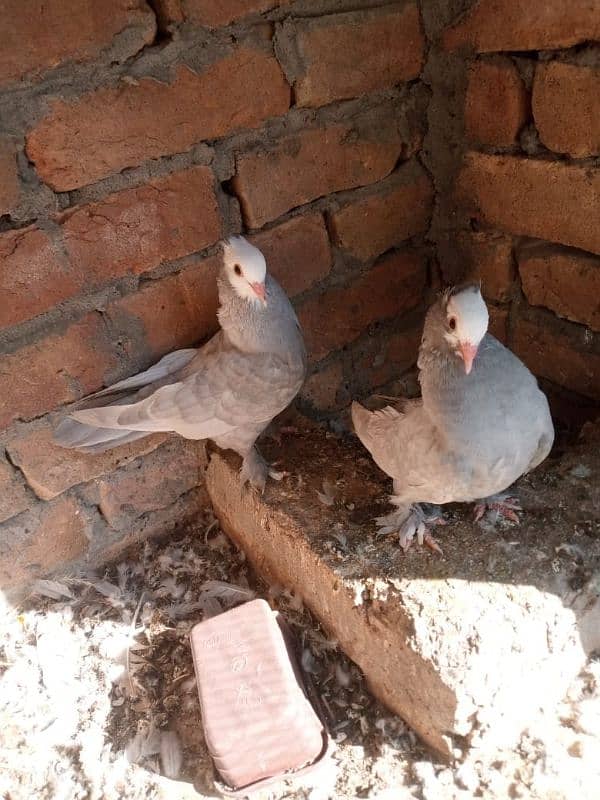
pixel 254 470
pixel 503 505
pixel 408 521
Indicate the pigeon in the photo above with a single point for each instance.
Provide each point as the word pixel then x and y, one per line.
pixel 228 391
pixel 480 424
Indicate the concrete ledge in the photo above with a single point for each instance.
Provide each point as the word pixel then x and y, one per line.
pixel 466 648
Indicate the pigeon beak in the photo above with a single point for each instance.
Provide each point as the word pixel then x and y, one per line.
pixel 260 291
pixel 468 352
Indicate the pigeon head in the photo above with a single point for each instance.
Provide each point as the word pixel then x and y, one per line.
pixel 245 268
pixel 466 322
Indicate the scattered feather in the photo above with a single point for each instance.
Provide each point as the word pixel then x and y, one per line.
pixel 189 685
pixel 580 471
pixel 308 661
pixel 228 594
pixel 152 744
pixel 133 685
pixel 342 676
pixel 171 757
pixel 342 539
pixel 133 749
pixel 210 527
pixel 107 589
pixel 572 550
pixel 210 607
pixel 52 589
pixel 182 610
pixel 219 542
pixel 321 642
pixel 327 496
pixel 169 587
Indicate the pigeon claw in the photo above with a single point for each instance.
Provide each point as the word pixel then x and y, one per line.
pixel 506 506
pixel 431 543
pixel 508 513
pixel 254 471
pixel 257 484
pixel 410 523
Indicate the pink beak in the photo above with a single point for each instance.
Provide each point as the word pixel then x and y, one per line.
pixel 468 352
pixel 260 292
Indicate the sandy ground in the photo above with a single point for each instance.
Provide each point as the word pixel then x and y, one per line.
pixel 98 700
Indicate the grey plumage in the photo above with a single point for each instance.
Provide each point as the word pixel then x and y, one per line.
pixel 470 436
pixel 228 390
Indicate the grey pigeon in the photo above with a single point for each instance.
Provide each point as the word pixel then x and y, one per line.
pixel 229 390
pixel 480 424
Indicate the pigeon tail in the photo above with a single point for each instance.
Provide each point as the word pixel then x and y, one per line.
pixel 360 419
pixel 75 435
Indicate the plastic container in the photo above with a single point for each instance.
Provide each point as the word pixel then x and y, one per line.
pixel 258 722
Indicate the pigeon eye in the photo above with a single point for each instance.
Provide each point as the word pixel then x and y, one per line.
pixel 237 269
pixel 452 323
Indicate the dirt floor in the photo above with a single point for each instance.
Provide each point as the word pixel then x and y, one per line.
pixel 98 700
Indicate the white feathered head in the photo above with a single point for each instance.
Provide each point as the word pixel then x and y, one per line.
pixel 466 321
pixel 245 268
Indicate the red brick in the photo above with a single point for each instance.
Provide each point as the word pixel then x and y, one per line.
pixel 386 214
pixel 50 470
pixel 565 281
pixel 174 312
pixel 553 355
pixel 346 55
pixel 10 190
pixel 185 511
pixel 490 260
pixel 38 541
pixel 214 14
pixel 32 276
pixel 78 142
pixel 58 369
pixel 543 199
pixel 387 356
pixel 321 388
pixel 41 35
pixel 150 483
pixel 566 107
pixel 311 164
pixel 136 229
pixel 498 325
pixel 341 314
pixel 496 103
pixel 495 25
pixel 130 231
pixel 297 252
pixel 14 497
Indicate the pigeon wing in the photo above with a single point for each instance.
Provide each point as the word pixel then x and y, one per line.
pixel 230 389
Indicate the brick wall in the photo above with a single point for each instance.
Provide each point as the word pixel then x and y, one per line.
pixel 522 206
pixel 372 150
pixel 134 137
